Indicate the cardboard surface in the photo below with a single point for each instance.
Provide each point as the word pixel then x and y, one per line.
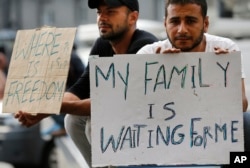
pixel 38 70
pixel 175 109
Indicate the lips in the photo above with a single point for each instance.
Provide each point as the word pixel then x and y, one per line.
pixel 104 26
pixel 182 38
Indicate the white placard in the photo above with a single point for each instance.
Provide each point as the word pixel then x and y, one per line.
pixel 174 109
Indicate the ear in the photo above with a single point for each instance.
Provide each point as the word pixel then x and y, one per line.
pixel 133 17
pixel 206 24
pixel 165 22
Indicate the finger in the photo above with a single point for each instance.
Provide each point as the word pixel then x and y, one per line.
pixel 220 50
pixel 26 123
pixel 17 115
pixel 22 119
pixel 171 50
pixel 175 50
pixel 158 50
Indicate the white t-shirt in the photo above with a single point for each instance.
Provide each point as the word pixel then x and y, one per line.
pixel 211 42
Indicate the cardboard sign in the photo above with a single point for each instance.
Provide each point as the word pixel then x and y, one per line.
pixel 174 109
pixel 38 70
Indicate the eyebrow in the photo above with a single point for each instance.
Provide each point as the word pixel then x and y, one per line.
pixel 191 17
pixel 186 17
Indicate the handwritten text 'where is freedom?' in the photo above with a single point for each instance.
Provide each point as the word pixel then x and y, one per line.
pixel 156 109
pixel 38 70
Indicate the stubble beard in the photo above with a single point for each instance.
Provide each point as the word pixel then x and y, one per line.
pixel 196 43
pixel 115 35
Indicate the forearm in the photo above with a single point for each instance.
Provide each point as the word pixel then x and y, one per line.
pixel 78 107
pixel 244 97
pixel 245 104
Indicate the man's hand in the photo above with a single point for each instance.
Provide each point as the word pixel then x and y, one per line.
pixel 218 50
pixel 170 50
pixel 28 119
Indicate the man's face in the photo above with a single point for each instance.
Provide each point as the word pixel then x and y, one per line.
pixel 113 23
pixel 185 27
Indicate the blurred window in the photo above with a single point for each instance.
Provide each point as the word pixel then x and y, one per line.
pixel 234 8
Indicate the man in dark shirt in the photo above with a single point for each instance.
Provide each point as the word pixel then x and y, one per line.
pixel 116 20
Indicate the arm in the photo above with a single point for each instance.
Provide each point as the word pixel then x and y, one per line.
pixel 73 105
pixel 76 101
pixel 244 97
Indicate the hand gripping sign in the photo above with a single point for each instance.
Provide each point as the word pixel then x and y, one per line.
pixel 38 70
pixel 174 109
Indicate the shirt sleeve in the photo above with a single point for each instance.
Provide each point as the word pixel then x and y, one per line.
pixel 151 48
pixel 147 49
pixel 82 86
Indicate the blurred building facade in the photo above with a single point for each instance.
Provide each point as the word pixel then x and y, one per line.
pixel 29 14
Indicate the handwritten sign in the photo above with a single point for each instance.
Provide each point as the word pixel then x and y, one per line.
pixel 174 109
pixel 38 70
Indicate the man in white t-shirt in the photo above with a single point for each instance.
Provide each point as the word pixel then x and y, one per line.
pixel 186 23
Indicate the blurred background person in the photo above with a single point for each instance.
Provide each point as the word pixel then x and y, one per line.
pixel 3 65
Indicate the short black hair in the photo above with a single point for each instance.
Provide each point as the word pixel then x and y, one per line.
pixel 2 49
pixel 201 3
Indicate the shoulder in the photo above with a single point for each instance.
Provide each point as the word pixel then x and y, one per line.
pixel 215 38
pixel 151 48
pixel 144 34
pixel 141 35
pixel 140 39
pixel 101 47
pixel 218 41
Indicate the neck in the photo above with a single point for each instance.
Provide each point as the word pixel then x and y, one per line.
pixel 121 46
pixel 202 46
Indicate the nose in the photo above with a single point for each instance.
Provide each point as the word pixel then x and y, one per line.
pixel 102 16
pixel 182 28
